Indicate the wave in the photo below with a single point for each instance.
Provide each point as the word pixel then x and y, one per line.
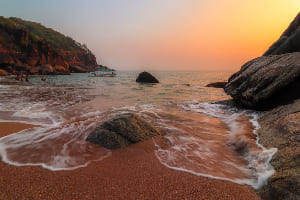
pixel 234 155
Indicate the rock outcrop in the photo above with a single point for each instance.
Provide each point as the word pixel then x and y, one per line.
pixel 217 84
pixel 267 81
pixel 272 83
pixel 289 41
pixel 27 47
pixel 280 128
pixel 121 131
pixel 146 77
pixel 83 59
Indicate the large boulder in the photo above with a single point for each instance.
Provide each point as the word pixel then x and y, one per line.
pixel 146 77
pixel 267 81
pixel 121 131
pixel 289 41
pixel 280 129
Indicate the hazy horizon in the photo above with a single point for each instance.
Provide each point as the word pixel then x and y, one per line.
pixel 164 35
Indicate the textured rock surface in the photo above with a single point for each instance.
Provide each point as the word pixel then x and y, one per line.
pixel 80 58
pixel 267 81
pixel 146 77
pixel 280 128
pixel 121 131
pixel 289 41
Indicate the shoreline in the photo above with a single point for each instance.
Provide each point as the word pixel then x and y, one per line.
pixel 130 173
pixel 7 128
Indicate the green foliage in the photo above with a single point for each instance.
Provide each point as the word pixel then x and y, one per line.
pixel 33 37
pixel 57 40
pixel 7 24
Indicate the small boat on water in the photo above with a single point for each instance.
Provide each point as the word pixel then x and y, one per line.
pixel 103 73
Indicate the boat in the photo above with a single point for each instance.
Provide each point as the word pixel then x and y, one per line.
pixel 103 73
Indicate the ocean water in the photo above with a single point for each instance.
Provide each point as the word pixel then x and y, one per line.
pixel 201 137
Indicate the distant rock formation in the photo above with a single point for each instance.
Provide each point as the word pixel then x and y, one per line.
pixel 146 77
pixel 289 41
pixel 267 81
pixel 217 84
pixel 27 47
pixel 121 131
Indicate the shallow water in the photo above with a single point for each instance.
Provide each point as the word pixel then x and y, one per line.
pixel 201 138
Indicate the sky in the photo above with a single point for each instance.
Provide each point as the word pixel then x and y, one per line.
pixel 164 34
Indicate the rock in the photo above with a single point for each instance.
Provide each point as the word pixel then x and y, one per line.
pixel 28 43
pixel 121 131
pixel 46 69
pixel 6 58
pixel 80 58
pixel 58 69
pixel 289 41
pixel 146 77
pixel 3 72
pixel 35 70
pixel 217 84
pixel 280 129
pixel 267 81
pixel 77 69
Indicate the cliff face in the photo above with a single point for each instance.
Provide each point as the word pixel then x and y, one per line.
pixel 23 49
pixel 80 59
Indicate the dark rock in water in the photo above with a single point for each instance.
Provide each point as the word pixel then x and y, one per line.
pixel 289 41
pixel 121 131
pixel 280 129
pixel 267 81
pixel 146 77
pixel 187 84
pixel 217 84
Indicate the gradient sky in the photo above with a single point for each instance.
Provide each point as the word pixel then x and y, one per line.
pixel 164 34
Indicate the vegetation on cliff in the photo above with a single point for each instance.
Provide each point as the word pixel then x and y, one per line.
pixel 29 46
pixel 57 40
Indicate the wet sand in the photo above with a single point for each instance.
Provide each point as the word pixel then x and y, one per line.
pixel 7 128
pixel 131 173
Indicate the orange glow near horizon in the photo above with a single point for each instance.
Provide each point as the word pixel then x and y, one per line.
pixel 225 36
pixel 165 34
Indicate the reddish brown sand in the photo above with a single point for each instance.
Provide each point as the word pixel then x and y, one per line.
pixel 7 128
pixel 131 173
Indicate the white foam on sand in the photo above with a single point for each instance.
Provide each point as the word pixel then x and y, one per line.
pixel 196 155
pixel 56 146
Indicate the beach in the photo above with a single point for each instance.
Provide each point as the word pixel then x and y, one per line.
pixel 130 173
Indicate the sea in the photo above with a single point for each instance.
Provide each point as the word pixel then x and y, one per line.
pixel 201 136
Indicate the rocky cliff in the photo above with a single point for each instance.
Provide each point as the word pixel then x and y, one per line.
pixel 289 41
pixel 271 83
pixel 29 47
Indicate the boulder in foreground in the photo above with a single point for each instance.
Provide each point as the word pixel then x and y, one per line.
pixel 146 77
pixel 267 81
pixel 121 131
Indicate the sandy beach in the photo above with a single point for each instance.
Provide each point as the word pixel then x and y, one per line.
pixel 130 173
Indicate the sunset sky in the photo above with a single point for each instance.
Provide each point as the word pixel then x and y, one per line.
pixel 164 34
